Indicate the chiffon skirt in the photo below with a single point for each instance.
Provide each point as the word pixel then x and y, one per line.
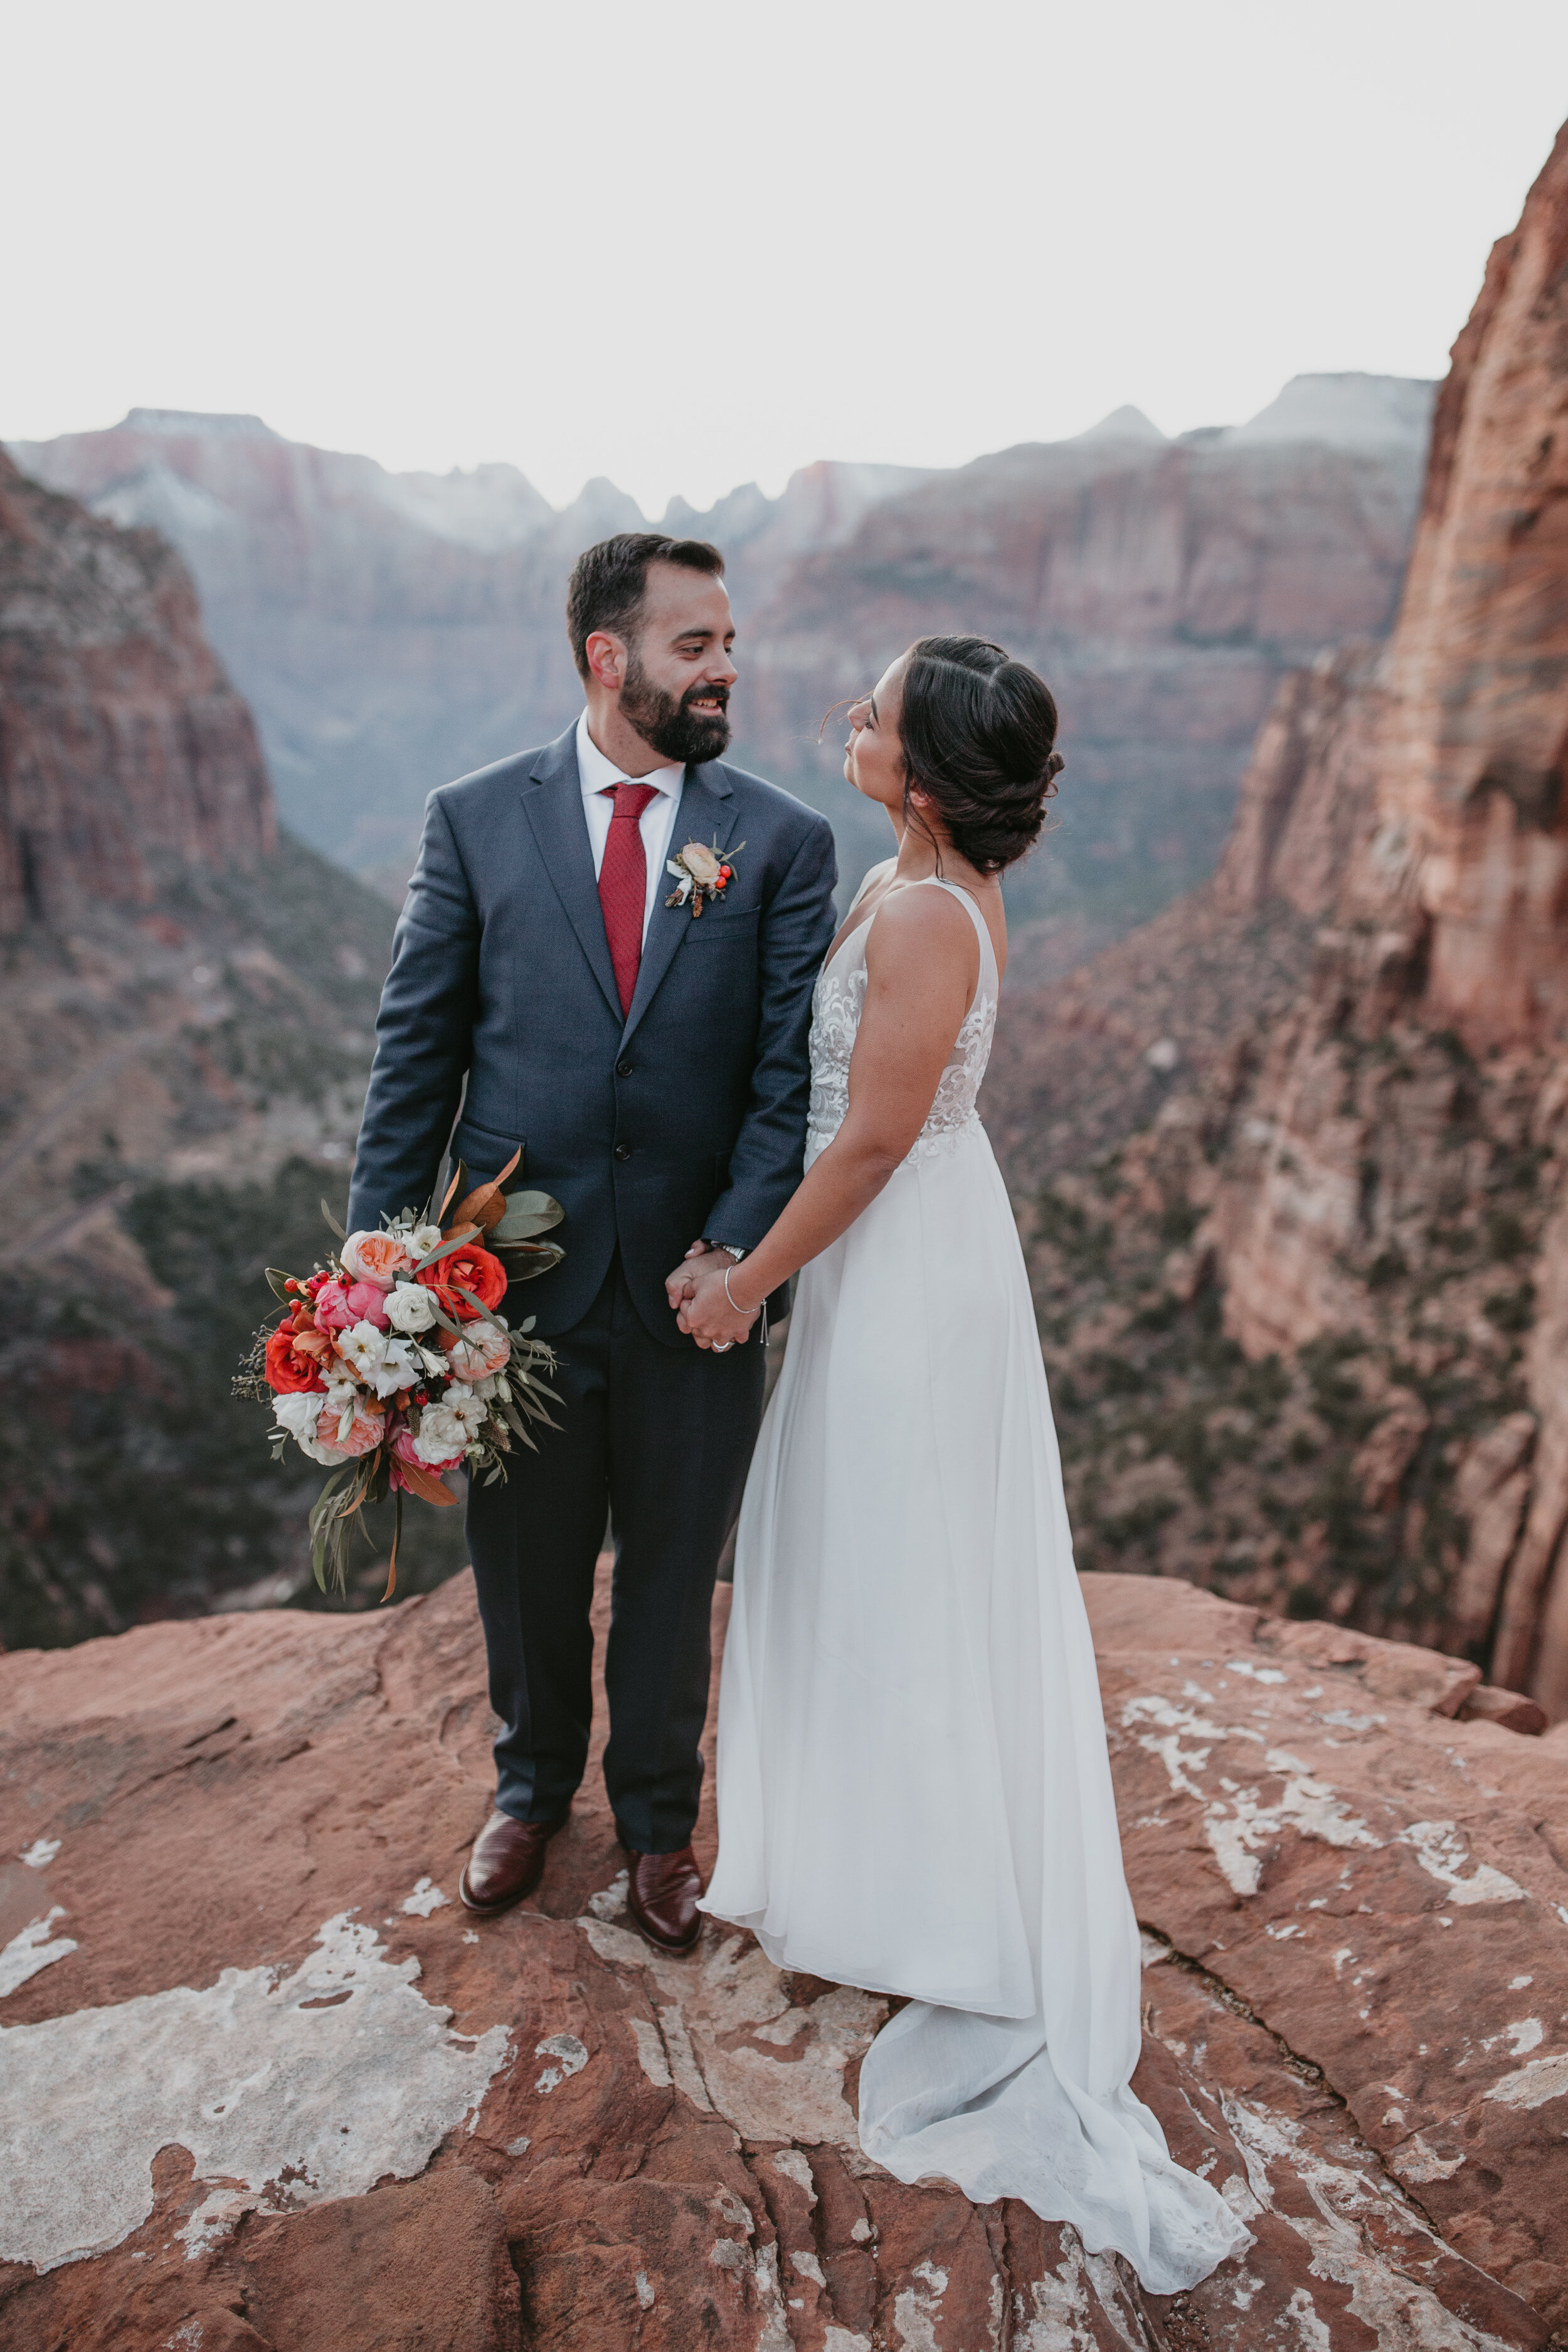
pixel 914 1793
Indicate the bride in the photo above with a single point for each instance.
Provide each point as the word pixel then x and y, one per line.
pixel 914 1795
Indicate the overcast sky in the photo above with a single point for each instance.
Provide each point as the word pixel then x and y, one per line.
pixel 690 248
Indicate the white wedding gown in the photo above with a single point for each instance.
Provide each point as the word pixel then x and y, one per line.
pixel 914 1794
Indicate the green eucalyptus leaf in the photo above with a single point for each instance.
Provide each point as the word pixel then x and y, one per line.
pixel 275 1279
pixel 453 1241
pixel 333 1223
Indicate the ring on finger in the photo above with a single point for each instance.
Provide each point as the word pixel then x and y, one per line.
pixel 723 1346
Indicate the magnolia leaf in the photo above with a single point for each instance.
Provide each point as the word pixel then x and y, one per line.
pixel 527 1213
pixel 486 1203
pixel 458 1173
pixel 525 1260
pixel 426 1484
pixel 333 1223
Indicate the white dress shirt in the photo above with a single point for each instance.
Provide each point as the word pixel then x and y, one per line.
pixel 656 824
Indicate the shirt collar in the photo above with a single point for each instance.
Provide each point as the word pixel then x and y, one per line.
pixel 597 774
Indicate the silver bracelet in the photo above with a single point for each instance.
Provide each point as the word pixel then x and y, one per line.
pixel 748 1311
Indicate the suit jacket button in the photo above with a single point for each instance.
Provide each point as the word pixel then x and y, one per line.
pixel 623 1069
pixel 623 1151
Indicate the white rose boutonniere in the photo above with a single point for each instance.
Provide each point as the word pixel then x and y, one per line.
pixel 701 874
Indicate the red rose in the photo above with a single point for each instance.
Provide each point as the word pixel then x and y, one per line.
pixel 469 1269
pixel 290 1367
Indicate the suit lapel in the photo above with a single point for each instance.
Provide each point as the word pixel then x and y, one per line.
pixel 552 797
pixel 705 811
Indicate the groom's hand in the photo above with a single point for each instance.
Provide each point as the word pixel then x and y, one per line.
pixel 706 1314
pixel 682 1283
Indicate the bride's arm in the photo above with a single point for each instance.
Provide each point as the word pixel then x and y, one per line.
pixel 922 965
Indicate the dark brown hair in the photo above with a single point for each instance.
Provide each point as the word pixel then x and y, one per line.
pixel 978 732
pixel 609 581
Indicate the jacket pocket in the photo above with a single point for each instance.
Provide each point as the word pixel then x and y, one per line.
pixel 724 927
pixel 484 1154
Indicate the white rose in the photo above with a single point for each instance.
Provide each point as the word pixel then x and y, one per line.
pixel 410 1308
pixel 700 863
pixel 299 1415
pixel 442 1434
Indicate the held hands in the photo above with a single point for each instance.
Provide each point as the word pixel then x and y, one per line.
pixel 695 1292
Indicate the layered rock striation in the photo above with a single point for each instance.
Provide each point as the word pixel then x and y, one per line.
pixel 393 630
pixel 264 2083
pixel 1364 1190
pixel 122 740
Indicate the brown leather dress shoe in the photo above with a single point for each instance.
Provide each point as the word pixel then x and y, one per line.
pixel 507 1862
pixel 661 1892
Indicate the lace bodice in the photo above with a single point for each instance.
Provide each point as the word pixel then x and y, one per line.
pixel 836 1009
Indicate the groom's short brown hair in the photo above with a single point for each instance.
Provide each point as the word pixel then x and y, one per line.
pixel 609 581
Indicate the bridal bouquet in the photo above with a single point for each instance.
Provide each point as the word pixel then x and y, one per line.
pixel 393 1364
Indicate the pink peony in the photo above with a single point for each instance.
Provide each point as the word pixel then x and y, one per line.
pixel 374 1257
pixel 362 1302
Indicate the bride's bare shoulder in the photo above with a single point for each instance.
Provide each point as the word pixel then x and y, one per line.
pixel 873 874
pixel 916 925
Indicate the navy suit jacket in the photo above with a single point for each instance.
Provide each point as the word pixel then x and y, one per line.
pixel 687 1117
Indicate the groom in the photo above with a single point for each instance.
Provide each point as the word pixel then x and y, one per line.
pixel 650 1064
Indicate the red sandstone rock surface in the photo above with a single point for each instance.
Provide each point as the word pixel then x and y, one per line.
pixel 265 2084
pixel 121 736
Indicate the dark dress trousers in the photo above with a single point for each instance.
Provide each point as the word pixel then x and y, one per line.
pixel 686 1117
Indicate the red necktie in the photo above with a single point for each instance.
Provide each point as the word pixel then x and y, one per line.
pixel 623 884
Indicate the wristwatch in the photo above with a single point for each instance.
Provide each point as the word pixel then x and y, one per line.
pixel 736 1254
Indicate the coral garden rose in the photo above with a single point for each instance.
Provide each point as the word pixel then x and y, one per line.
pixel 467 1268
pixel 374 1257
pixel 290 1367
pixel 483 1351
pixel 364 1434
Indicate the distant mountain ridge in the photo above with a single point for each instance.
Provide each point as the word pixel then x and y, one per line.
pixel 393 630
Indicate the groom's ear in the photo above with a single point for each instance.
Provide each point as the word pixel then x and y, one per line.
pixel 607 657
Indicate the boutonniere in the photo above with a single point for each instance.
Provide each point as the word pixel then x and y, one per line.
pixel 701 874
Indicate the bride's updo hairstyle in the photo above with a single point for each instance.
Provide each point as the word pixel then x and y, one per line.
pixel 978 732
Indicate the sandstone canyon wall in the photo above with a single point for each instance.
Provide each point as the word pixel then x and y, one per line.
pixel 1309 1316
pixel 122 739
pixel 185 1034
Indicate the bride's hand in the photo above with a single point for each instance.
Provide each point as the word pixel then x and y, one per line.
pixel 707 1315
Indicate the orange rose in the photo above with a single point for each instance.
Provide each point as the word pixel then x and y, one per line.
pixel 291 1368
pixel 469 1268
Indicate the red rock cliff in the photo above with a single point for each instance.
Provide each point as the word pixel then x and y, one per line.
pixel 1405 1140
pixel 120 735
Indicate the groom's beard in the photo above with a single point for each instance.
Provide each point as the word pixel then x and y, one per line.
pixel 674 729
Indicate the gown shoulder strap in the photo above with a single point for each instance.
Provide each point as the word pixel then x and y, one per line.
pixel 982 929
